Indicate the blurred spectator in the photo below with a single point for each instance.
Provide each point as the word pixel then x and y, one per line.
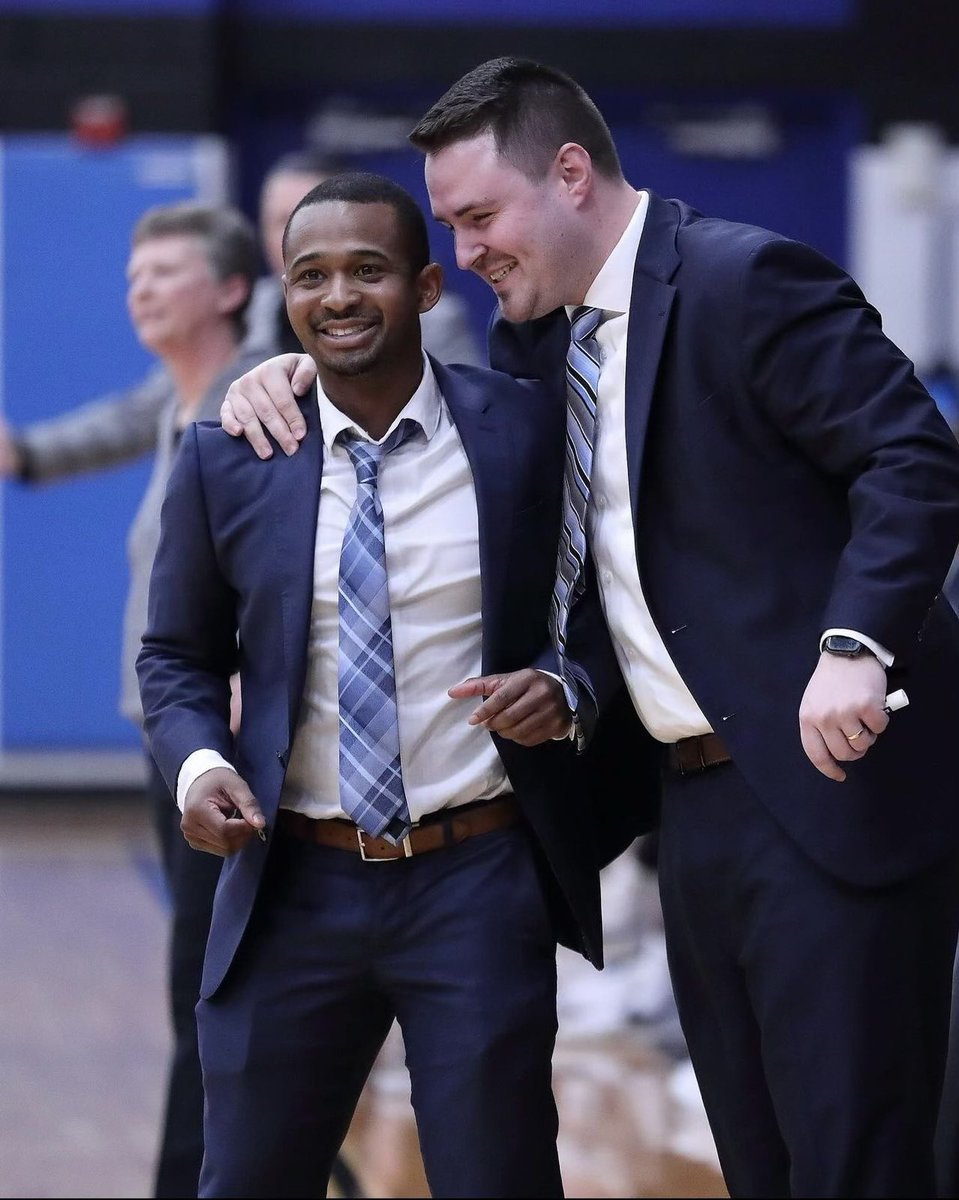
pixel 190 275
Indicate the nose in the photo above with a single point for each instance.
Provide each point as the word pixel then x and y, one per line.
pixel 137 288
pixel 341 292
pixel 468 250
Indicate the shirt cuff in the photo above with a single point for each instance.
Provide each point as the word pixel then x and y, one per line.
pixel 195 765
pixel 877 648
pixel 570 734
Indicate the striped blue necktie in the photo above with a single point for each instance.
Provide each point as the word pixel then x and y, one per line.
pixel 371 781
pixel 582 382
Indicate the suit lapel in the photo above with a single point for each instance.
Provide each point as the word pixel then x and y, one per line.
pixel 650 304
pixel 295 500
pixel 483 426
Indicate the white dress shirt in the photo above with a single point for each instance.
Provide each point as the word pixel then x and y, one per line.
pixel 661 698
pixel 432 559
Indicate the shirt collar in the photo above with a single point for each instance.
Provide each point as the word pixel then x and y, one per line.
pixel 423 407
pixel 612 288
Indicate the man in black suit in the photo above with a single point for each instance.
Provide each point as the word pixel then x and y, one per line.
pixel 773 506
pixel 313 948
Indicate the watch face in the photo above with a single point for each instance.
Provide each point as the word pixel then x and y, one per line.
pixel 838 643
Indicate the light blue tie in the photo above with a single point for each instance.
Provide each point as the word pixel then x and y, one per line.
pixel 371 781
pixel 582 383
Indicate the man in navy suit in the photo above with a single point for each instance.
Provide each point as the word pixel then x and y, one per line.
pixel 314 948
pixel 773 506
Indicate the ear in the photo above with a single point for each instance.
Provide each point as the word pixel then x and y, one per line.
pixel 429 286
pixel 234 292
pixel 575 170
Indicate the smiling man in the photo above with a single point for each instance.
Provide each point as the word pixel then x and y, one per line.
pixel 387 855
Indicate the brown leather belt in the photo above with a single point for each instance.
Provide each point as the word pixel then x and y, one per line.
pixel 692 754
pixel 435 832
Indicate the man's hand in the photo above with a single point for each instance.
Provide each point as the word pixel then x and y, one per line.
pixel 842 714
pixel 219 813
pixel 11 463
pixel 525 706
pixel 266 395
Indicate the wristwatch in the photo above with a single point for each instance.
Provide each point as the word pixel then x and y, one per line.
pixel 849 647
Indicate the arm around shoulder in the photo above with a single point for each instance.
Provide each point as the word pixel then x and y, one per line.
pixel 113 429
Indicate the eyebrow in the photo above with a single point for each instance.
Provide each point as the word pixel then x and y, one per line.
pixel 356 252
pixel 465 208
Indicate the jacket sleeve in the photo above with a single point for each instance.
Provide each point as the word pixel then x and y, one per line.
pixel 189 649
pixel 815 360
pixel 103 433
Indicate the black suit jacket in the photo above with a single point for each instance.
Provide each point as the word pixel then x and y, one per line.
pixel 788 474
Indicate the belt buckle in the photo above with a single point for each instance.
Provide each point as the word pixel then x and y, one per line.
pixel 405 843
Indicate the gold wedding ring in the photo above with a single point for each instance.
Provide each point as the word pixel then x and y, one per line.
pixel 851 737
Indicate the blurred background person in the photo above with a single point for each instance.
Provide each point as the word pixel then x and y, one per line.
pixel 189 279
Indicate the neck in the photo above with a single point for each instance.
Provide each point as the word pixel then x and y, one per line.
pixel 609 212
pixel 194 367
pixel 374 399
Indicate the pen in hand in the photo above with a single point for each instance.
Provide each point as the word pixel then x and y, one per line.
pixel 895 700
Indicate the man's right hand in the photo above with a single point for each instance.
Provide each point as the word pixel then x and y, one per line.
pixel 220 814
pixel 266 396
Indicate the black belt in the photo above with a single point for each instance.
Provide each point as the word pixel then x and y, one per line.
pixel 692 754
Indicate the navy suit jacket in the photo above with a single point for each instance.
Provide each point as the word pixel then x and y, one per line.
pixel 236 554
pixel 788 474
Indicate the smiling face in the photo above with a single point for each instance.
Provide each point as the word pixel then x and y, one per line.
pixel 173 294
pixel 521 235
pixel 352 295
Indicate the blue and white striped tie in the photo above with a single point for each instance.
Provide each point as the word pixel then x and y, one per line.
pixel 582 382
pixel 371 781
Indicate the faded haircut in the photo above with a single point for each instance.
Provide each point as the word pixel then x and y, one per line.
pixel 530 109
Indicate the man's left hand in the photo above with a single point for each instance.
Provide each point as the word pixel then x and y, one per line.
pixel 841 714
pixel 525 706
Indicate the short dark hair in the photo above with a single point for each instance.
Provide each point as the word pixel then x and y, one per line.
pixel 228 236
pixel 530 109
pixel 362 187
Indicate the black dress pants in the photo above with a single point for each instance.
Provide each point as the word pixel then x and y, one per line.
pixel 191 877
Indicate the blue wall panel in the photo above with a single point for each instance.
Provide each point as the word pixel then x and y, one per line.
pixel 66 215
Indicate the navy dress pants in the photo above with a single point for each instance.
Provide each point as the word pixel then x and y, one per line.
pixel 816 1012
pixel 458 945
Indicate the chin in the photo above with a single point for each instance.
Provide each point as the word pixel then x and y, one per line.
pixel 519 308
pixel 513 309
pixel 347 368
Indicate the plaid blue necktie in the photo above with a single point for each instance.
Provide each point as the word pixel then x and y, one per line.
pixel 371 782
pixel 582 382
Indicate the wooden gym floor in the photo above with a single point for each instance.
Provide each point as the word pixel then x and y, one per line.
pixel 84 1037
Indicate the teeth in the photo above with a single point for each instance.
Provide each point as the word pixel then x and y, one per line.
pixel 338 333
pixel 500 275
